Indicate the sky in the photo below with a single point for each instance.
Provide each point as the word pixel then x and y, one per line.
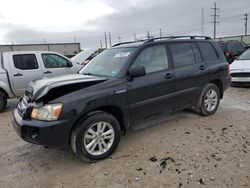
pixel 85 21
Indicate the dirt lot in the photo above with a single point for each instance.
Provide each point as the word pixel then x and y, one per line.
pixel 185 151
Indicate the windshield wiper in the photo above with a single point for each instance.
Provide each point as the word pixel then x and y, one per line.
pixel 91 74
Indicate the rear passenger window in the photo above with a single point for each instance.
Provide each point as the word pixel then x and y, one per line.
pixel 182 54
pixel 25 62
pixel 207 51
pixel 197 53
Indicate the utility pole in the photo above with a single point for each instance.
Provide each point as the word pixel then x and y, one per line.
pixel 75 39
pixel 202 21
pixel 101 43
pixel 109 39
pixel 135 37
pixel 119 39
pixel 246 18
pixel 160 33
pixel 148 34
pixel 105 40
pixel 215 16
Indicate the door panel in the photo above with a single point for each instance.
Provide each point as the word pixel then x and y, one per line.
pixel 55 65
pixel 189 73
pixel 23 69
pixel 150 94
pixel 153 93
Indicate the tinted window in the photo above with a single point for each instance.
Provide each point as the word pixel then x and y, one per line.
pixel 196 52
pixel 25 62
pixel 207 51
pixel 223 46
pixel 234 46
pixel 54 61
pixel 182 54
pixel 153 59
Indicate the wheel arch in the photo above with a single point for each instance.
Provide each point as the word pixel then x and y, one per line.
pixel 219 84
pixel 4 92
pixel 113 110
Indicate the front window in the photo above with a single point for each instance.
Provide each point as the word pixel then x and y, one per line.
pixel 245 55
pixel 109 63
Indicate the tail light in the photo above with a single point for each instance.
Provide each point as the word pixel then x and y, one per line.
pixel 227 54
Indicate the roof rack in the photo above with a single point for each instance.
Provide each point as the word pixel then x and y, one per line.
pixel 129 42
pixel 160 38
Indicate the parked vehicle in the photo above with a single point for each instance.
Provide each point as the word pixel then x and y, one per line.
pixel 17 69
pixel 240 69
pixel 119 88
pixel 232 49
pixel 84 57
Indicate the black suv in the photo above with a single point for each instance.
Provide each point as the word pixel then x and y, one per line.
pixel 120 87
pixel 232 49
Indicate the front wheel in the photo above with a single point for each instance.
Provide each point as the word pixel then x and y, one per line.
pixel 96 137
pixel 209 100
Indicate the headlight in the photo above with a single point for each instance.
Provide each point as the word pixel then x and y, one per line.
pixel 48 112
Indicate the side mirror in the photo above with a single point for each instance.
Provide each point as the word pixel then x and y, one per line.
pixel 137 71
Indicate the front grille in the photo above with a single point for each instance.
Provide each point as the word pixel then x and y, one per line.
pixel 240 74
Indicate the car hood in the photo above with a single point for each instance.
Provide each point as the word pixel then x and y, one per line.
pixel 240 65
pixel 41 87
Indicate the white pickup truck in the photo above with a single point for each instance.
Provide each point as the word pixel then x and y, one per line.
pixel 18 68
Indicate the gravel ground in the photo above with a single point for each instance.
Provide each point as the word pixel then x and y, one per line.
pixel 185 151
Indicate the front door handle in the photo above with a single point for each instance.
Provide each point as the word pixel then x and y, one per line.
pixel 168 76
pixel 47 72
pixel 202 67
pixel 18 74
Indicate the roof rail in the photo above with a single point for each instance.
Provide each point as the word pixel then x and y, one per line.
pixel 177 37
pixel 159 38
pixel 128 42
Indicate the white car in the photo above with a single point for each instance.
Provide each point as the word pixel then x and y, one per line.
pixel 240 69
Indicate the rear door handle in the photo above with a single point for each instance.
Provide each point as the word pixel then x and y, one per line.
pixel 202 67
pixel 168 76
pixel 18 74
pixel 47 72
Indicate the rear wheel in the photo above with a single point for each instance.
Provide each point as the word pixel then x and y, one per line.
pixel 3 101
pixel 96 137
pixel 209 100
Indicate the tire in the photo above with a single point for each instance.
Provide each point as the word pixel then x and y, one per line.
pixel 3 102
pixel 209 100
pixel 86 134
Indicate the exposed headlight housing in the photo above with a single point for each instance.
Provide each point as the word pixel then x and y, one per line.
pixel 48 112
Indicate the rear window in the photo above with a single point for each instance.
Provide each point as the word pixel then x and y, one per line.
pixel 207 51
pixel 223 46
pixel 182 54
pixel 25 61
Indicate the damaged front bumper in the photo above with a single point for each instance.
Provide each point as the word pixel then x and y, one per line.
pixel 47 133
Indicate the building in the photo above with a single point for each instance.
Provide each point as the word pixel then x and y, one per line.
pixel 67 49
pixel 242 38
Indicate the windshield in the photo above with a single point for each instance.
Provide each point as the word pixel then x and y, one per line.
pixel 245 55
pixel 108 63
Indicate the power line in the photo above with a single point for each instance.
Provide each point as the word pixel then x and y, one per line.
pixel 246 18
pixel 215 16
